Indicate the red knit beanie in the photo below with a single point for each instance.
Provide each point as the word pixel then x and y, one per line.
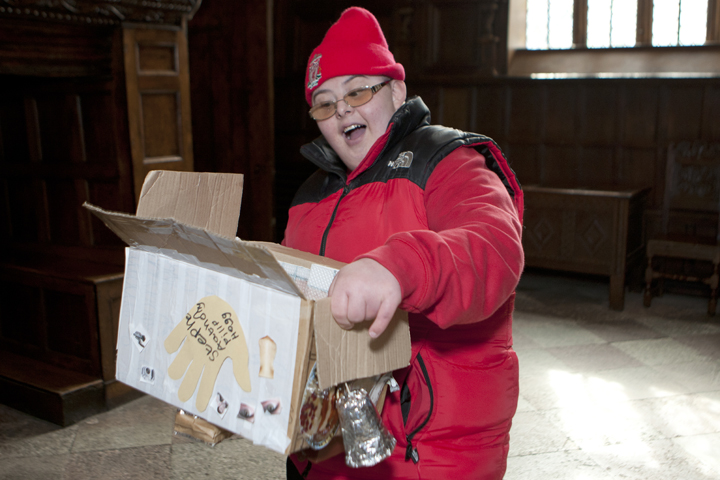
pixel 354 45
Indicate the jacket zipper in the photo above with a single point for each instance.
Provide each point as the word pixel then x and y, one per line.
pixel 346 190
pixel 411 452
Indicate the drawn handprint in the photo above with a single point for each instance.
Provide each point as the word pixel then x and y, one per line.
pixel 210 333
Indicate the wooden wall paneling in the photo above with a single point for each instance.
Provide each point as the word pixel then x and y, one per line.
pixel 527 106
pixel 120 128
pixel 561 115
pixel 22 302
pixel 431 96
pixel 62 217
pixel 66 322
pixel 460 36
pixel 680 113
pixel 711 113
pixel 562 165
pixel 233 100
pixel 639 114
pixel 457 107
pixel 599 114
pixel 259 105
pixel 490 110
pixel 158 95
pixel 62 49
pixel 638 167
pixel 526 162
pixel 597 166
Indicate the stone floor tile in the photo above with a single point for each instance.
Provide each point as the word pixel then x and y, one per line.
pixel 660 351
pixel 33 468
pixel 145 421
pixel 536 363
pixel 597 424
pixel 524 405
pixel 621 330
pixel 564 465
pixel 705 449
pixel 16 425
pixel 550 332
pixel 685 415
pixel 658 459
pixel 57 441
pixel 532 433
pixel 696 376
pixel 235 459
pixel 148 462
pixel 707 345
pixel 524 342
pixel 673 327
pixel 592 358
pixel 640 382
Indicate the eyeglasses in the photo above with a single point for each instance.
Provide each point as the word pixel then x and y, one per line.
pixel 354 98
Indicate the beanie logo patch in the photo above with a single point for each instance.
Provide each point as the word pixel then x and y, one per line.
pixel 314 73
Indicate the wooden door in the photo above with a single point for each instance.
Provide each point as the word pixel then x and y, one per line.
pixel 158 97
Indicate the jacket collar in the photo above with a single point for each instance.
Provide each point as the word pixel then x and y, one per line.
pixel 411 115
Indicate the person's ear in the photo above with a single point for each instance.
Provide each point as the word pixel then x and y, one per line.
pixel 399 93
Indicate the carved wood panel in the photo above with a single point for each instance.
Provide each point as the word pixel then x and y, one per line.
pixel 158 95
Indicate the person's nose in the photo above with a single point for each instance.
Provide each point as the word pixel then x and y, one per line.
pixel 343 109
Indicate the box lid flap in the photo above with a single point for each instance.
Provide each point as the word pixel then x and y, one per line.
pixel 196 246
pixel 344 355
pixel 298 257
pixel 210 201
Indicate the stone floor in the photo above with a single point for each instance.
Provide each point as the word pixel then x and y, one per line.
pixel 604 395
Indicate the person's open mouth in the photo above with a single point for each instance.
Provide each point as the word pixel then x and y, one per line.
pixel 353 131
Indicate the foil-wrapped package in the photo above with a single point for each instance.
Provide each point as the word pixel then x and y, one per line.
pixel 318 416
pixel 367 441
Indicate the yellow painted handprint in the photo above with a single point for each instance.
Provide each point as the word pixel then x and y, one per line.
pixel 210 333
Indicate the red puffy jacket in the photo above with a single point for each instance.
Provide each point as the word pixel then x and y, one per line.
pixel 442 210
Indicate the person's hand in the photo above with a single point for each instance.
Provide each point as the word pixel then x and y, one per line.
pixel 365 290
pixel 210 333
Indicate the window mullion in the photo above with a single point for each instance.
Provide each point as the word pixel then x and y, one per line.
pixel 644 23
pixel 713 22
pixel 580 9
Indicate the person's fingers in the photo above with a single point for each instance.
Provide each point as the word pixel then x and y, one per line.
pixel 339 310
pixel 384 316
pixel 332 285
pixel 357 307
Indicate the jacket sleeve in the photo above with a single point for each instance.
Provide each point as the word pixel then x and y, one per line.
pixel 468 262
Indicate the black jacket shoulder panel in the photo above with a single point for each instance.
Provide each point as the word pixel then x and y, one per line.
pixel 413 150
pixel 318 186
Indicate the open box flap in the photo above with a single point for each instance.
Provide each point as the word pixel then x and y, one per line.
pixel 210 201
pixel 344 355
pixel 298 257
pixel 196 246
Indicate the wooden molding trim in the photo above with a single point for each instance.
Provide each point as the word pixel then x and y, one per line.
pixel 101 12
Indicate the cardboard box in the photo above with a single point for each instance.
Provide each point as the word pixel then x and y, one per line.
pixel 195 296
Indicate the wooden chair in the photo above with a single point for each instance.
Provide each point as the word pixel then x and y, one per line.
pixel 692 194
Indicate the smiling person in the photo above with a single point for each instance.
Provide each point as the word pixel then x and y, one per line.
pixel 428 219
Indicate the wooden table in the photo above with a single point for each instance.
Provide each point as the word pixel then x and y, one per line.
pixel 586 230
